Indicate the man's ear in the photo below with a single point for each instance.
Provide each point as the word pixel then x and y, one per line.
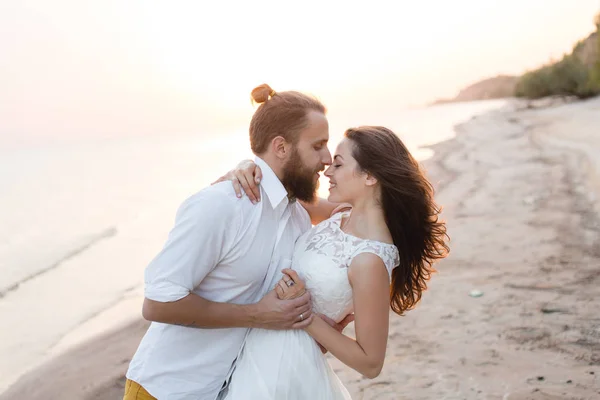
pixel 280 147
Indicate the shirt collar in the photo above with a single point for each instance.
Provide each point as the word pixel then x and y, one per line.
pixel 271 184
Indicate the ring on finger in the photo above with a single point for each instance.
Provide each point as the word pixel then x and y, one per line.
pixel 301 316
pixel 288 280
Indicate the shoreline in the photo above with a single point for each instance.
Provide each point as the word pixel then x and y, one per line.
pixel 518 205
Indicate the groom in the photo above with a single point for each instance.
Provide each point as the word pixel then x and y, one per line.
pixel 211 281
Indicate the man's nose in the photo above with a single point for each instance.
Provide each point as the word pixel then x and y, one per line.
pixel 327 159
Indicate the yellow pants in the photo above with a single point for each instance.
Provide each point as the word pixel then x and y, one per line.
pixel 133 391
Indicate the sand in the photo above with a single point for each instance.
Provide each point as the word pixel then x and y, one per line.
pixel 520 189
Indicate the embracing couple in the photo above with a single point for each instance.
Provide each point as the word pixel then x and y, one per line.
pixel 247 295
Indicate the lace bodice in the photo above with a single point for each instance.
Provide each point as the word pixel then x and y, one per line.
pixel 322 257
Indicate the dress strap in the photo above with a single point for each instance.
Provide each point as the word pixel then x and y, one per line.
pixel 387 252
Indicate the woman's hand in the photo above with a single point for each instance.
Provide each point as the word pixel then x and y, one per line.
pixel 290 286
pixel 246 175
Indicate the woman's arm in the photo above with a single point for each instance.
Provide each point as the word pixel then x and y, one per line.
pixel 246 175
pixel 320 210
pixel 371 286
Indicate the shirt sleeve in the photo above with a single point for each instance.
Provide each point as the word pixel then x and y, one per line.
pixel 204 231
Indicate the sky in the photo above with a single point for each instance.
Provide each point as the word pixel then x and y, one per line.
pixel 76 67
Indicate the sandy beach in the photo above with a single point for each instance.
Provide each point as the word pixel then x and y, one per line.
pixel 512 314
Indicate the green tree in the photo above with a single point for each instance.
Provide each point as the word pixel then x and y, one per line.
pixel 595 75
pixel 567 77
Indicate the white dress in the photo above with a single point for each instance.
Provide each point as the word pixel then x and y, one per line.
pixel 286 365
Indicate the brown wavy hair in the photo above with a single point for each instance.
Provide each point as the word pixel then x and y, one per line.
pixel 279 114
pixel 411 214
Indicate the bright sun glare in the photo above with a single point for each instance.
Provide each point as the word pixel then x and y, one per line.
pixel 147 64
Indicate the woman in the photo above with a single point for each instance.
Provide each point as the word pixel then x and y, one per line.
pixel 362 260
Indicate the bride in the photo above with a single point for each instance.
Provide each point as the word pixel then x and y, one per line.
pixel 375 254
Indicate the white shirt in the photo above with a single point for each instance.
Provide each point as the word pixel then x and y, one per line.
pixel 223 249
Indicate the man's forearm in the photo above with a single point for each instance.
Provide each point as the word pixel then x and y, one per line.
pixel 195 311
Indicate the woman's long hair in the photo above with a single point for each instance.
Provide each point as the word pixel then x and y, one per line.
pixel 411 214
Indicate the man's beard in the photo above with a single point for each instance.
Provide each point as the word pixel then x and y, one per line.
pixel 299 180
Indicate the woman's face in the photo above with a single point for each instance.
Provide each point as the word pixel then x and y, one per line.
pixel 346 181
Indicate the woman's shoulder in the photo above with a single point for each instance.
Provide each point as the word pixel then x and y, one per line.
pixel 387 252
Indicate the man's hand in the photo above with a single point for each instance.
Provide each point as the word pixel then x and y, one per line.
pixel 337 326
pixel 274 313
pixel 246 175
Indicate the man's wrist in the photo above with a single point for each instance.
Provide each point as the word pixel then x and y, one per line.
pixel 250 316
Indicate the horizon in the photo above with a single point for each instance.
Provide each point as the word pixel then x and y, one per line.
pixel 145 67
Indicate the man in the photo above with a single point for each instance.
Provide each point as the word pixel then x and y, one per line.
pixel 212 280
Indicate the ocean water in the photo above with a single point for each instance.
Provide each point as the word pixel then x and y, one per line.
pixel 80 220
